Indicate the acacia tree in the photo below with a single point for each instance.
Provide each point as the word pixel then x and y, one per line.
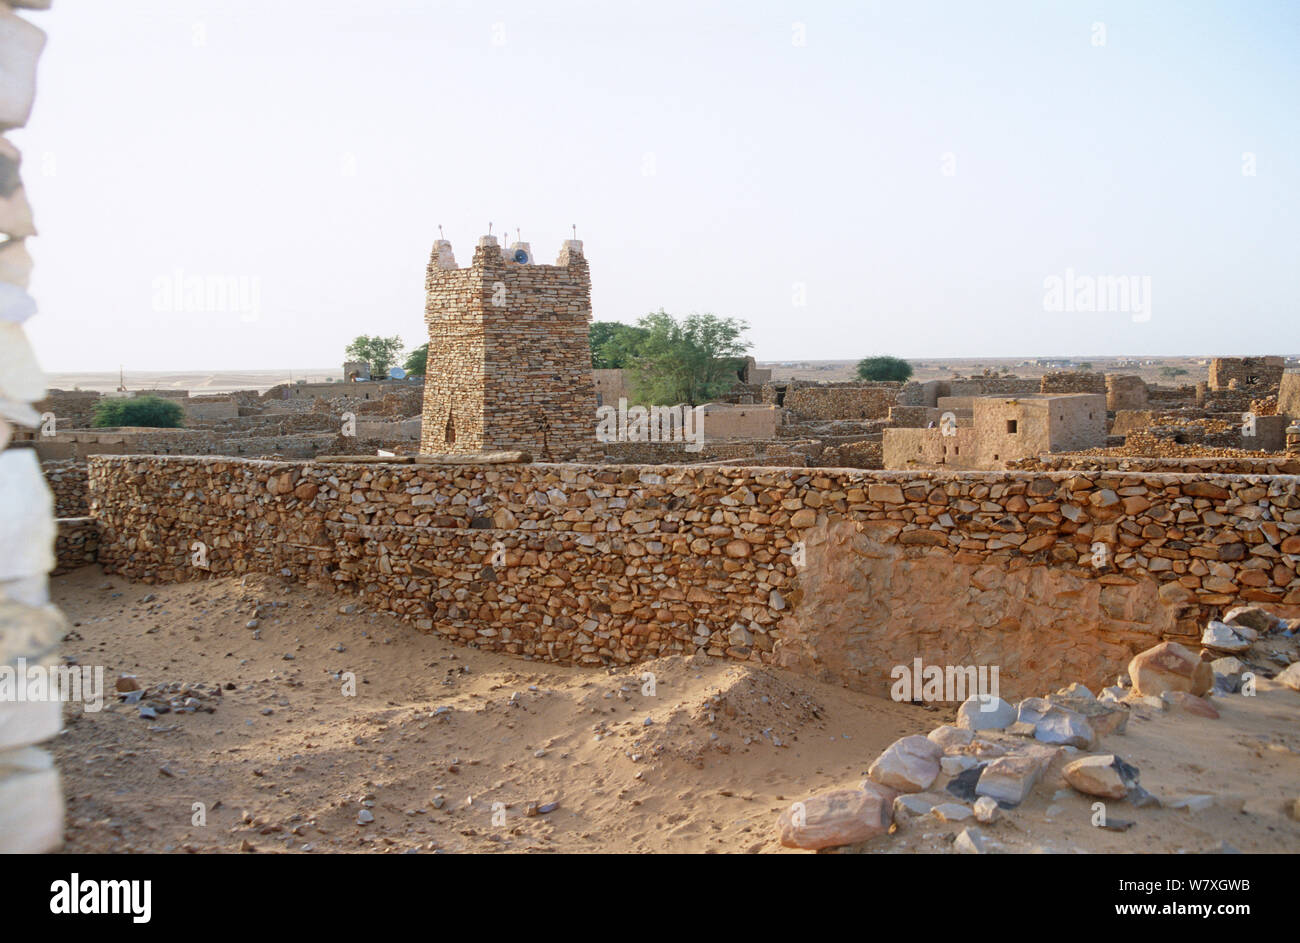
pixel 380 352
pixel 885 368
pixel 687 361
pixel 417 361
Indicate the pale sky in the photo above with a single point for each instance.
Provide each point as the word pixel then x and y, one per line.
pixel 915 168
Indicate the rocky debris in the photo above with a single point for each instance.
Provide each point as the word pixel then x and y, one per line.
pixel 1009 779
pixel 986 810
pixel 1254 617
pixel 1222 637
pixel 1190 703
pixel 916 803
pixel 985 713
pixel 949 737
pixel 1170 667
pixel 1104 775
pixel 952 812
pixel 972 841
pixel 174 697
pixel 837 817
pixel 1290 677
pixel 1054 724
pixel 910 764
pixel 1227 674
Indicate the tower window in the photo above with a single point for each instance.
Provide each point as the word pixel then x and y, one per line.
pixel 1011 427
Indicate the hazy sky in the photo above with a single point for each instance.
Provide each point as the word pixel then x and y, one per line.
pixel 913 171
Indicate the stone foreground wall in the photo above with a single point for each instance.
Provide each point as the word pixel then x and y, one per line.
pixel 836 573
pixel 1209 465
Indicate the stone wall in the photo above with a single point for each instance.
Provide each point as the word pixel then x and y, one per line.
pixel 76 543
pixel 67 481
pixel 842 402
pixel 509 356
pixel 841 574
pixel 1125 392
pixel 1072 381
pixel 1254 373
pixel 1201 465
pixel 1288 395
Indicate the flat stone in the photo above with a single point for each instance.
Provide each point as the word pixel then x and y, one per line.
pixel 1290 677
pixel 1222 638
pixel 952 765
pixel 952 812
pixel 1191 704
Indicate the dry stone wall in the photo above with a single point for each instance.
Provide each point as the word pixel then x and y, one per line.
pixel 1072 381
pixel 842 402
pixel 67 481
pixel 837 573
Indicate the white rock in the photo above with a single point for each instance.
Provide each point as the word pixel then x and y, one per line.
pixel 985 713
pixel 1197 803
pixel 952 812
pixel 20 47
pixel 1224 638
pixel 952 765
pixel 986 810
pixel 949 737
pixel 1010 778
pixel 1290 677
pixel 910 764
pixel 972 841
pixel 26 723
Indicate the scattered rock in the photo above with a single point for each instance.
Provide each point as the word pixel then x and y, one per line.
pixel 949 737
pixel 952 812
pixel 1190 703
pixel 1170 667
pixel 1290 677
pixel 986 810
pixel 1223 638
pixel 1009 779
pixel 1252 617
pixel 1105 775
pixel 985 713
pixel 910 764
pixel 837 817
pixel 365 817
pixel 972 841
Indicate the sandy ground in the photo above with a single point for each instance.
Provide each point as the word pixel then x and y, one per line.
pixel 450 748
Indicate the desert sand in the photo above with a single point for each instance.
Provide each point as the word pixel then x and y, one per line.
pixel 451 749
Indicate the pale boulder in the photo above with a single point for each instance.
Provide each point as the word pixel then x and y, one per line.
pixel 837 817
pixel 1169 667
pixel 910 764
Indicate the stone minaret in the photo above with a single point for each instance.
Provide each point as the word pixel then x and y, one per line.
pixel 509 358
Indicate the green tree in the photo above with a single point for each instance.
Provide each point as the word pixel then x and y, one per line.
pixel 138 411
pixel 885 368
pixel 1172 372
pixel 614 345
pixel 688 361
pixel 380 352
pixel 417 361
pixel 1086 365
